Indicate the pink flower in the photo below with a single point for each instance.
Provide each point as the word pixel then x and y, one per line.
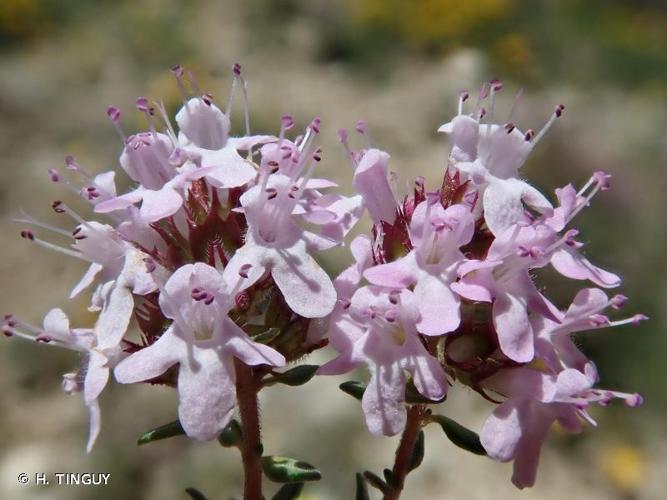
pixel 370 181
pixel 382 334
pixel 203 340
pixel 436 234
pixel 490 156
pixel 554 344
pixel 276 243
pixel 518 427
pixel 101 351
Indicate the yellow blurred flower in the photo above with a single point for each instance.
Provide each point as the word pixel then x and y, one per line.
pixel 423 22
pixel 624 466
pixel 20 18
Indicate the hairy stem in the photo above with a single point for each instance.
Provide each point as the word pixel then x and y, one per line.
pixel 404 452
pixel 247 386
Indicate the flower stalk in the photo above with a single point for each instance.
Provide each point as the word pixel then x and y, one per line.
pixel 404 452
pixel 247 387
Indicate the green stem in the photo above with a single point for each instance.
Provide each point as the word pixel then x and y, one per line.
pixel 247 387
pixel 404 452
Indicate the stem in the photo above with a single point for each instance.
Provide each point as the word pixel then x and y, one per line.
pixel 404 451
pixel 251 448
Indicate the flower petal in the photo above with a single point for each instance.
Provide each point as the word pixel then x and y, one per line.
pixel 515 335
pixel 307 288
pixel 151 361
pixel 206 394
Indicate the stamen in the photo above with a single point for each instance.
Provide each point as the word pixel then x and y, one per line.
pixel 463 97
pixel 515 105
pixel 557 114
pixel 286 123
pixel 114 114
pixel 178 71
pixel 243 270
pixel 28 235
pixel 28 219
pixel 618 301
pixel 343 138
pixel 495 86
pixel 60 208
pixel 391 315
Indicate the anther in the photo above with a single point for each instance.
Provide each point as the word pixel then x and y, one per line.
pixel 70 163
pixel 57 207
pixel 603 180
pixel 638 318
pixel 142 104
pixel 114 113
pixel 509 127
pixel 315 125
pixel 236 69
pixel 391 315
pixel 28 235
pixel 286 122
pixel 528 136
pixel 360 126
pixel 618 301
pixel 464 95
pixel 243 270
pixel 178 70
pixel 394 296
pixel 559 110
pixel 496 85
pixel 151 265
pixel 271 193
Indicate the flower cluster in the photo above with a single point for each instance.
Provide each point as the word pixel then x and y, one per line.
pixel 212 253
pixel 442 292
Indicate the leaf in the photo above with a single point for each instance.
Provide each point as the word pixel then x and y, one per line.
pixel 163 432
pixel 296 376
pixel 459 435
pixel 231 435
pixel 288 470
pixel 354 388
pixel 376 482
pixel 195 494
pixel 362 488
pixel 389 477
pixel 267 336
pixel 289 491
pixel 417 452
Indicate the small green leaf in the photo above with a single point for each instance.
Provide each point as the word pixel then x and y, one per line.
pixel 298 375
pixel 389 477
pixel 377 482
pixel 362 488
pixel 266 336
pixel 459 435
pixel 354 388
pixel 163 432
pixel 289 491
pixel 413 396
pixel 288 470
pixel 417 452
pixel 195 494
pixel 232 435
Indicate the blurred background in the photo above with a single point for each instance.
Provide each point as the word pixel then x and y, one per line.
pixel 399 65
